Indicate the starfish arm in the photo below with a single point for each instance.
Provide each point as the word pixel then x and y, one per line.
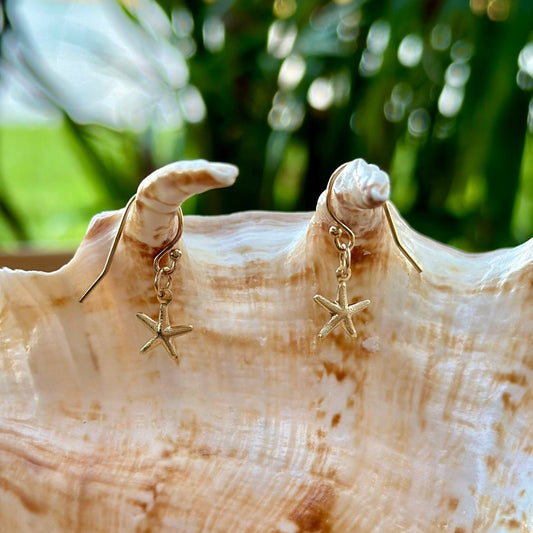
pixel 163 316
pixel 332 307
pixel 342 296
pixel 349 327
pixel 171 331
pixel 333 322
pixel 170 348
pixel 149 344
pixel 150 322
pixel 359 306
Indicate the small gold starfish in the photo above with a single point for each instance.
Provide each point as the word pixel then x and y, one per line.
pixel 163 331
pixel 341 311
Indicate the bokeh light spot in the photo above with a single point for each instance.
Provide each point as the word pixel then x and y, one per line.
pixel 281 38
pixel 187 47
pixel 525 59
pixel 192 104
pixel 182 21
pixel 394 111
pixel 450 100
pixel 287 113
pixel 498 10
pixel 370 63
pixel 284 8
pixel 441 37
pixel 378 37
pixel 321 94
pixel 418 122
pixel 457 74
pixel 291 72
pixel 410 50
pixel 524 81
pixel 214 34
pixel 402 93
pixel 461 51
pixel 348 27
pixel 478 7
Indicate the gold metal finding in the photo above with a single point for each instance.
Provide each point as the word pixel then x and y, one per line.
pixel 116 240
pixel 407 255
pixel 161 328
pixel 342 227
pixel 112 250
pixel 341 312
pixel 351 237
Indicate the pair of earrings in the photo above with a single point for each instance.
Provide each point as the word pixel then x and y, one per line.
pixel 340 310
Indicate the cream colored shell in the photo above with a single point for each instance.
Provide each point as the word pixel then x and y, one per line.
pixel 422 423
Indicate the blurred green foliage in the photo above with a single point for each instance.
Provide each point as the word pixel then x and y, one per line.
pixel 51 191
pixel 436 92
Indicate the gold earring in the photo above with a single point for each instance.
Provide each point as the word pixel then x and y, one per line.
pixel 161 328
pixel 340 310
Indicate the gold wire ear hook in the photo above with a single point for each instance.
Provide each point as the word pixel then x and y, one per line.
pixel 340 223
pixel 408 256
pixel 112 250
pixel 171 244
pixel 116 240
pixel 350 233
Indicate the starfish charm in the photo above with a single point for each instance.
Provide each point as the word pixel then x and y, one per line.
pixel 341 311
pixel 163 331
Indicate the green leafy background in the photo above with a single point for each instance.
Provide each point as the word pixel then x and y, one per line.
pixel 431 91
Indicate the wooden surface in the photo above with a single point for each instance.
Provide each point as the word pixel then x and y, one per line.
pixel 35 260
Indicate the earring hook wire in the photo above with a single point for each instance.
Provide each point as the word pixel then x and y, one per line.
pixel 338 221
pixel 350 233
pixel 116 240
pixel 397 241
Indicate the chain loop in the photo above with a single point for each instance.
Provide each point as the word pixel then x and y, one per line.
pixel 174 255
pixel 158 286
pixel 164 296
pixel 344 271
pixel 337 234
pixel 162 290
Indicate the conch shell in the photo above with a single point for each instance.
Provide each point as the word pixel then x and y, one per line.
pixel 422 423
